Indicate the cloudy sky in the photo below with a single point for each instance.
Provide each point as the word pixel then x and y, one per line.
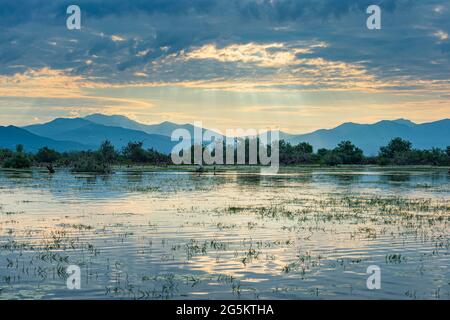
pixel 298 65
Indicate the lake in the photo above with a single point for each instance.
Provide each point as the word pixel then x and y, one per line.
pixel 306 233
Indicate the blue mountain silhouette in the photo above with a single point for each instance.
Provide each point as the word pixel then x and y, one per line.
pixel 11 136
pixel 164 128
pixel 85 131
pixel 370 137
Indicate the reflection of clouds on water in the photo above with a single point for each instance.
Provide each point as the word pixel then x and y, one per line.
pixel 304 232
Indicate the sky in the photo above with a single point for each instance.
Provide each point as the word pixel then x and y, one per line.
pixel 296 65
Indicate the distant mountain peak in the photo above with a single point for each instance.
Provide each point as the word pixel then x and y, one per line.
pixel 168 123
pixel 101 118
pixel 405 122
pixel 105 116
pixel 164 128
pixel 347 124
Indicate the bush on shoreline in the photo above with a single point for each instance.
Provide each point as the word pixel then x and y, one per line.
pixel 18 159
pixel 91 165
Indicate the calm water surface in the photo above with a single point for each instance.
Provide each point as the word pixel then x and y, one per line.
pixel 302 234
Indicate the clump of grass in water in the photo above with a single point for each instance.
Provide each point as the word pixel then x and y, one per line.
pixel 394 258
pixel 303 263
pixel 193 248
pixel 76 226
pixel 233 209
pixel 250 255
pixel 232 281
pixel 275 212
pixel 223 226
pixel 145 189
pixel 10 213
pixel 164 287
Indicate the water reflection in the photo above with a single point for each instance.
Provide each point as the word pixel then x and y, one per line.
pixel 305 233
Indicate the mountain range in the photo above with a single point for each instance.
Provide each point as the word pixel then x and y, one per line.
pixel 370 137
pixel 164 128
pixel 11 136
pixel 64 134
pixel 92 134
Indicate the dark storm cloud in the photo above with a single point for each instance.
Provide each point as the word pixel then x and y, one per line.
pixel 322 9
pixel 16 12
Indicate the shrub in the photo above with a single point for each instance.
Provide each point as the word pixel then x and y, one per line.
pixel 107 153
pixel 348 153
pixel 5 154
pixel 396 146
pixel 331 158
pixel 46 155
pixel 135 153
pixel 18 160
pixel 91 164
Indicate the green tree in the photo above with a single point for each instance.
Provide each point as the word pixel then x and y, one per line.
pixel 5 154
pixel 286 152
pixel 90 163
pixel 348 153
pixel 135 153
pixel 322 152
pixel 46 155
pixel 157 158
pixel 331 158
pixel 395 147
pixel 297 154
pixel 19 159
pixel 304 148
pixel 107 152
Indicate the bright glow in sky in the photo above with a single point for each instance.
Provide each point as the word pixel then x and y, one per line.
pixel 296 65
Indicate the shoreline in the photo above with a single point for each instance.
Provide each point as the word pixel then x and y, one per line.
pixel 251 169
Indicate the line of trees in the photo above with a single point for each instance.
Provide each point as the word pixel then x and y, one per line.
pixel 100 161
pixel 397 152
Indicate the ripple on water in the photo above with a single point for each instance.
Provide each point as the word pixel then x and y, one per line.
pixel 163 235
